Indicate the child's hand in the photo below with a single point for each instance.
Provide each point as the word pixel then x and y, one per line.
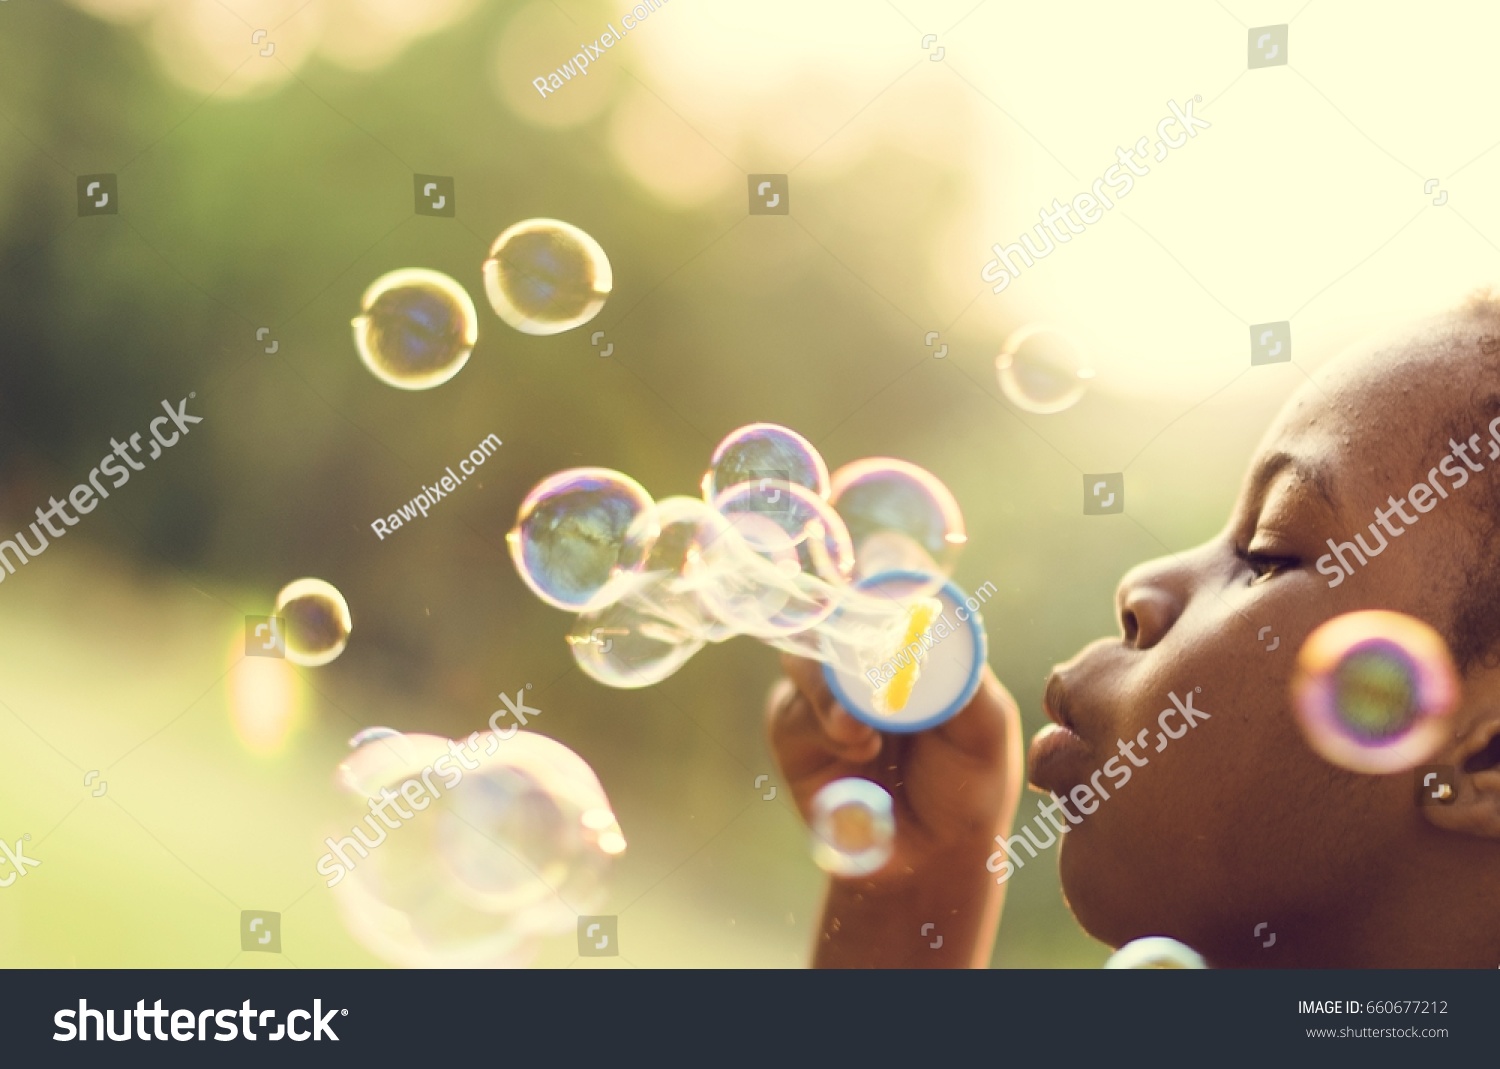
pixel 955 787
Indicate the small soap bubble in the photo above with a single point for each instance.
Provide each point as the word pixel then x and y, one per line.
pixel 1374 690
pixel 900 518
pixel 570 530
pixel 790 525
pixel 1155 952
pixel 1042 371
pixel 417 328
pixel 317 621
pixel 854 827
pixel 544 276
pixel 371 735
pixel 671 539
pixel 497 843
pixel 764 452
pixel 625 645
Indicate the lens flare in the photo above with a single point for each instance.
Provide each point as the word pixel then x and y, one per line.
pixel 266 699
pixel 900 518
pixel 544 276
pixel 1374 691
pixel 508 844
pixel 1155 952
pixel 1042 371
pixel 416 329
pixel 761 453
pixel 317 621
pixel 569 533
pixel 854 827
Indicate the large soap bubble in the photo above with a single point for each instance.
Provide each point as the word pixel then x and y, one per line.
pixel 1374 691
pixel 570 530
pixel 469 852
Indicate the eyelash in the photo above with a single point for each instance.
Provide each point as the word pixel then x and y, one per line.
pixel 1263 566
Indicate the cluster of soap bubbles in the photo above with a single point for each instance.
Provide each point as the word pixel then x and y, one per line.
pixel 416 328
pixel 775 549
pixel 315 622
pixel 1374 691
pixel 498 843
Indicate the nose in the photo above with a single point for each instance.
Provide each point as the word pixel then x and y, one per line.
pixel 1150 599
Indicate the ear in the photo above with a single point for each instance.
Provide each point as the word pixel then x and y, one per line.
pixel 1475 759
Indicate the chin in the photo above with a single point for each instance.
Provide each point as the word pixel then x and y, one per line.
pixel 1104 900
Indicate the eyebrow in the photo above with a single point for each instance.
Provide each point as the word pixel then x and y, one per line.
pixel 1305 471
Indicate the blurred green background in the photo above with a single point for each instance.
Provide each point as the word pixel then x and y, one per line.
pixel 269 191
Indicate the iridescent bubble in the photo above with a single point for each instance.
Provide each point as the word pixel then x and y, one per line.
pixel 569 533
pixel 790 525
pixel 1155 952
pixel 762 453
pixel 545 276
pixel 627 646
pixel 761 591
pixel 1374 690
pixel 465 853
pixel 854 827
pixel 1041 370
pixel 316 619
pixel 900 517
pixel 670 539
pixel 416 329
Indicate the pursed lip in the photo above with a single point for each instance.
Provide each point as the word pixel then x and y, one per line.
pixel 1059 756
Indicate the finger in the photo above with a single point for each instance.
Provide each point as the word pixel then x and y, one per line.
pixel 841 727
pixel 988 726
pixel 799 738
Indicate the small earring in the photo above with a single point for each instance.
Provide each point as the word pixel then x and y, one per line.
pixel 1444 792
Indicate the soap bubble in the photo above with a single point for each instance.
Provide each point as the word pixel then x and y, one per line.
pixel 1374 690
pixel 1042 371
pixel 625 645
pixel 899 516
pixel 1155 952
pixel 316 619
pixel 790 525
pixel 854 827
pixel 762 452
pixel 670 538
pixel 416 329
pixel 570 530
pixel 545 276
pixel 484 860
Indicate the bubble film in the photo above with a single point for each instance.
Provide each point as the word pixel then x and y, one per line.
pixel 765 451
pixel 316 620
pixel 569 533
pixel 791 526
pixel 1155 952
pixel 627 645
pixel 854 827
pixel 496 843
pixel 899 517
pixel 1042 371
pixel 416 328
pixel 1373 691
pixel 544 276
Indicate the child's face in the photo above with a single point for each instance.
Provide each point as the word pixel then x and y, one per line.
pixel 1237 822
